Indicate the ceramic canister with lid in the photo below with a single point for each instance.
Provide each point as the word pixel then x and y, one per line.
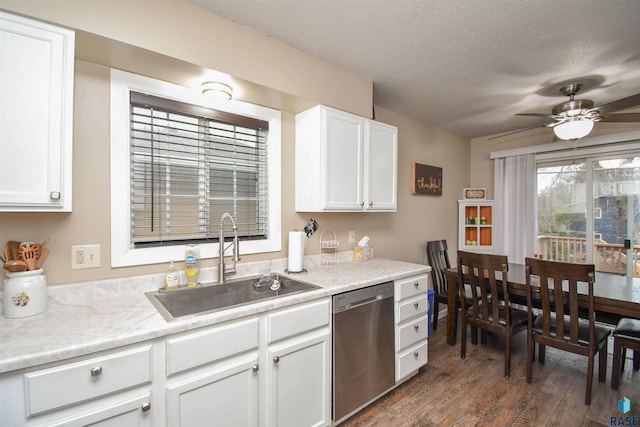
pixel 24 294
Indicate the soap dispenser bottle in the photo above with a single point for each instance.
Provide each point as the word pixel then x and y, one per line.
pixel 192 265
pixel 172 278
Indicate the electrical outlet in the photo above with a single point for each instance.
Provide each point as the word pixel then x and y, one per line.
pixel 85 256
pixel 352 236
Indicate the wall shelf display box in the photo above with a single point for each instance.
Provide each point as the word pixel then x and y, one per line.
pixel 475 225
pixel 36 65
pixel 344 162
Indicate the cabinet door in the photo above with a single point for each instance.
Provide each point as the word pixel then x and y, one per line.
pixel 225 396
pixel 343 160
pixel 300 382
pixel 380 174
pixel 36 97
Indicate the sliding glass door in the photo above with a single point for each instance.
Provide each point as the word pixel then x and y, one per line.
pixel 589 211
pixel 616 214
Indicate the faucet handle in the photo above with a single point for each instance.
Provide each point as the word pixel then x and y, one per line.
pixel 236 248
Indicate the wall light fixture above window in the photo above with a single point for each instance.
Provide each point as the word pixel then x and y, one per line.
pixel 218 90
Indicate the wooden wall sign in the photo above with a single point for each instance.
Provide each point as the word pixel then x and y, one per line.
pixel 426 180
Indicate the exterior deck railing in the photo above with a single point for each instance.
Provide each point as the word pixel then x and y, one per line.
pixel 607 257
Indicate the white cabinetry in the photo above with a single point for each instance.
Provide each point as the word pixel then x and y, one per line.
pixel 344 162
pixel 221 380
pixel 271 370
pixel 113 387
pixel 412 325
pixel 266 370
pixel 298 391
pixel 476 225
pixel 36 111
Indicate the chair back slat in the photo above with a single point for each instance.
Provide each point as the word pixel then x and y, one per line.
pixel 481 275
pixel 437 255
pixel 557 292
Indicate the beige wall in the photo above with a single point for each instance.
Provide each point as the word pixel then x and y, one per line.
pixel 294 75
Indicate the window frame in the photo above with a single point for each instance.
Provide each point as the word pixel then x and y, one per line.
pixel 122 252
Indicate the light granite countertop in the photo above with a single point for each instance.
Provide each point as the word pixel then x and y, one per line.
pixel 87 317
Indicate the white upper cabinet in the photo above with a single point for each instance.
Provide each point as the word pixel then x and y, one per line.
pixel 344 162
pixel 36 113
pixel 381 166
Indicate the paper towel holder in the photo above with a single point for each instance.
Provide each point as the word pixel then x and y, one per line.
pixel 304 270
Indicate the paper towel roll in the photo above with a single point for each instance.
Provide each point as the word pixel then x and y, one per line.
pixel 296 251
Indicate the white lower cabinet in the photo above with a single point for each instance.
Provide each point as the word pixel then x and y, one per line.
pixel 298 388
pixel 269 370
pixel 226 395
pixel 272 369
pixel 213 375
pixel 106 389
pixel 412 325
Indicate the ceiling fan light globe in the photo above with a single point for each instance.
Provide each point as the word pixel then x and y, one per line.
pixel 573 129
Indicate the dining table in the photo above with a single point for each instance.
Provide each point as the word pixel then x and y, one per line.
pixel 615 296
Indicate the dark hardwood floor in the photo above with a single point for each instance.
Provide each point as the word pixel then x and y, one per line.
pixel 451 391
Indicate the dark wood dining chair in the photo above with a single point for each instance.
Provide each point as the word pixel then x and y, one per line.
pixel 626 335
pixel 438 257
pixel 485 278
pixel 553 286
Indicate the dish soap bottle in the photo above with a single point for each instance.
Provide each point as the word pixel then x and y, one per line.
pixel 192 265
pixel 172 278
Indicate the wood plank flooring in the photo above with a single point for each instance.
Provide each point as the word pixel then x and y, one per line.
pixel 451 391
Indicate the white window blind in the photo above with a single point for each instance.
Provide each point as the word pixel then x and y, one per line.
pixel 189 165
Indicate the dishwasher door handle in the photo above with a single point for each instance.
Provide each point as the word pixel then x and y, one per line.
pixel 364 302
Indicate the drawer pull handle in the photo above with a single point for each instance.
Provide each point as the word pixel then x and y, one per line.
pixel 416 327
pixel 276 359
pixel 416 354
pixel 96 371
pixel 416 284
pixel 146 406
pixel 255 368
pixel 416 305
pixel 55 195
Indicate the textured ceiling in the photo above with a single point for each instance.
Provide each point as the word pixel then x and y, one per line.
pixel 464 65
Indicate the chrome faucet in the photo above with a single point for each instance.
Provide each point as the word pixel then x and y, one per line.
pixel 222 271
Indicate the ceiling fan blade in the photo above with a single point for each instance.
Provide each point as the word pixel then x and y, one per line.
pixel 548 116
pixel 514 132
pixel 623 117
pixel 620 104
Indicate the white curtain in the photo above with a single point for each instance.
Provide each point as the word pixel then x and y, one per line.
pixel 515 203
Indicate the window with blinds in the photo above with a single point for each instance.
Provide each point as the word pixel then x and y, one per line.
pixel 190 164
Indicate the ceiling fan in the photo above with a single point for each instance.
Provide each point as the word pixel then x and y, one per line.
pixel 574 119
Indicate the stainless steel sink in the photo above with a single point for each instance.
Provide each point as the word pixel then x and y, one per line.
pixel 180 303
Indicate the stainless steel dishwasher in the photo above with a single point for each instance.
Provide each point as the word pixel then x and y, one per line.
pixel 363 347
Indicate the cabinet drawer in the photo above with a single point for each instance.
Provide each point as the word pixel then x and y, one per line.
pixel 75 382
pixel 412 332
pixel 411 360
pixel 213 344
pixel 412 308
pixel 293 321
pixel 411 286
